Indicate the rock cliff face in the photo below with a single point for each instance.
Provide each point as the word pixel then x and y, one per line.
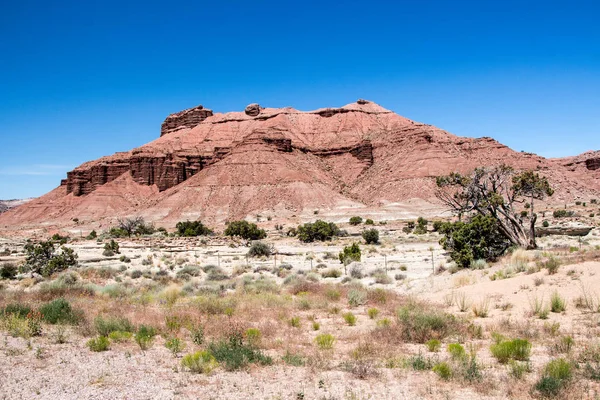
pixel 184 119
pixel 231 165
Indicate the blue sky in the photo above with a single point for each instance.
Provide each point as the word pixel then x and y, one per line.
pixel 83 79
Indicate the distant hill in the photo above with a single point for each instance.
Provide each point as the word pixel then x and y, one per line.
pixel 284 162
pixel 8 204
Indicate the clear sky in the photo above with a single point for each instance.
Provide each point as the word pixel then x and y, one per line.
pixel 83 79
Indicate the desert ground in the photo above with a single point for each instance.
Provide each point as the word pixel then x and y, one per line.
pixel 400 324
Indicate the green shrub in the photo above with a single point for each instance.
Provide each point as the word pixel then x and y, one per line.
pixel 545 224
pixel 372 313
pixel 325 341
pixel 457 351
pixel 18 309
pixel 443 370
pixel 350 318
pixel 506 350
pixel 120 336
pixel 253 336
pixel 421 227
pixel 101 343
pixel 557 303
pixel 371 236
pixel 480 238
pixel 59 311
pixel 175 345
pixel 44 259
pixel 562 214
pixel 112 247
pixel 235 354
pixel 259 249
pixel 356 220
pixel 295 322
pixel 93 235
pixel 245 230
pixel 8 271
pixel 105 327
pixel 369 221
pixel 145 336
pixel 350 254
pixel 433 345
pixel 317 231
pixel 552 265
pixel 419 363
pixel 418 324
pixel 293 359
pixel 555 377
pixel 200 362
pixel 197 334
pixel 192 228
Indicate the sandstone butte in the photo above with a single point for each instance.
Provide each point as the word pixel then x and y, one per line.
pixel 286 163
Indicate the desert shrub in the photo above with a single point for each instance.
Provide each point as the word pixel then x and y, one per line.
pixel 101 343
pixel 92 235
pixel 369 221
pixel 421 227
pixel 331 273
pixel 192 228
pixel 200 362
pixel 349 254
pixel 259 249
pixel 8 271
pixel 175 345
pixel 356 271
pixel 317 231
pixel 562 213
pixel 381 277
pixel 480 238
pixel 44 259
pixel 372 313
pixel 119 336
pixel 235 354
pixel 197 334
pixel 216 274
pixel 112 247
pixel 371 236
pixel 443 370
pixel 253 336
pixel 457 351
pixel 555 377
pixel 545 224
pixel 418 324
pixel 125 259
pixel 552 265
pixel 108 253
pixel 18 309
pixel 145 336
pixel 294 322
pixel 350 318
pixel 215 305
pixel 506 350
pixel 433 345
pixel 356 220
pixel 135 274
pixel 557 303
pixel 59 311
pixel 105 326
pixel 245 230
pixel 357 297
pixel 115 232
pixel 325 341
pixel 293 359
